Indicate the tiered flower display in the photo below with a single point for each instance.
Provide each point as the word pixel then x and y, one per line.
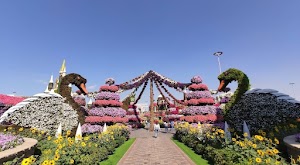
pixel 107 106
pixel 132 115
pixel 200 104
pixel 80 99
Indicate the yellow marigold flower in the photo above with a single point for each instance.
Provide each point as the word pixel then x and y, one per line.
pixel 250 143
pixel 260 131
pixel 291 125
pixel 276 141
pixel 275 151
pixel 86 138
pixel 269 152
pixel 96 145
pixel 46 162
pixel 245 134
pixel 83 144
pixel 33 131
pixel 271 134
pixel 258 160
pixel 52 162
pixel 21 129
pixel 25 161
pixel 71 161
pixel 68 132
pixel 4 130
pixel 260 152
pixel 56 141
pixel 9 128
pixel 242 144
pixel 32 158
pixel 258 137
pixel 49 138
pixel 254 146
pixel 263 133
pixel 56 157
pixel 277 162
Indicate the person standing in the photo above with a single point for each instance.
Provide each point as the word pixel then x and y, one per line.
pixel 156 129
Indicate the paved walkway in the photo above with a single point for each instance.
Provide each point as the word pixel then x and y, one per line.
pixel 147 150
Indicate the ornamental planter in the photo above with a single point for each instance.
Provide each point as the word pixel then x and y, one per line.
pixel 293 147
pixel 27 148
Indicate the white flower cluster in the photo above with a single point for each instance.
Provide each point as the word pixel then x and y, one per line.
pixel 45 114
pixel 263 109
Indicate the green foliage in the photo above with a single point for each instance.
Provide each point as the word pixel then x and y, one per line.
pixel 230 75
pixel 65 150
pixel 211 143
pixel 197 159
pixel 118 154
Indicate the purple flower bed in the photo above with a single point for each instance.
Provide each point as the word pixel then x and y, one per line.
pixel 107 96
pixel 109 111
pixel 80 100
pixel 8 141
pixel 201 110
pixel 198 95
pixel 88 128
pixel 196 79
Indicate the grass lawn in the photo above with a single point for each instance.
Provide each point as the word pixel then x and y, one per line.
pixel 197 159
pixel 118 154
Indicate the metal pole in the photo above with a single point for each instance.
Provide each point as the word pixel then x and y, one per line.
pixel 219 64
pixel 151 106
pixel 218 54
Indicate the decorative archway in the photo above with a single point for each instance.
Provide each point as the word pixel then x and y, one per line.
pixel 160 81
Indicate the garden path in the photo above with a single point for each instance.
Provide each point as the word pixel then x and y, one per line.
pixel 147 150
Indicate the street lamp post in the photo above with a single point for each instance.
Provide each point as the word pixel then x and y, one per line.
pixel 218 54
pixel 292 84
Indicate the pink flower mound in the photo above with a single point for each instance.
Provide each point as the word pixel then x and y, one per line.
pixel 112 88
pixel 10 100
pixel 105 103
pixel 201 101
pixel 105 119
pixel 195 87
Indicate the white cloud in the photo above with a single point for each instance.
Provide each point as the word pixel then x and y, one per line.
pixel 91 87
pixel 42 82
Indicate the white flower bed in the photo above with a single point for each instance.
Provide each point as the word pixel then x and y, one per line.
pixel 44 113
pixel 262 111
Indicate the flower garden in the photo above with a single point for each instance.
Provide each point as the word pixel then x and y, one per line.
pixel 244 127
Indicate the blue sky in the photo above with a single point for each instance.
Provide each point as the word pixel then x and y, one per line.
pixel 123 39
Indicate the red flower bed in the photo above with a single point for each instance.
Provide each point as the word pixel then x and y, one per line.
pixel 105 119
pixel 10 100
pixel 196 87
pixel 111 88
pixel 112 103
pixel 201 101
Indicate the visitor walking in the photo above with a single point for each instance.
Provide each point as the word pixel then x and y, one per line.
pixel 166 125
pixel 156 129
pixel 172 125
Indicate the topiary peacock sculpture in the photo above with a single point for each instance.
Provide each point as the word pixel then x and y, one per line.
pixel 260 108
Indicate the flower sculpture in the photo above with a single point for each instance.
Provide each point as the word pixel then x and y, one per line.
pixel 200 104
pixel 107 107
